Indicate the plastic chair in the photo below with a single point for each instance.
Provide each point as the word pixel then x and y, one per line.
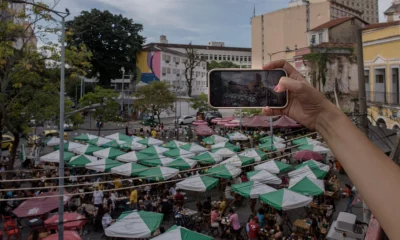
pixel 9 221
pixel 11 231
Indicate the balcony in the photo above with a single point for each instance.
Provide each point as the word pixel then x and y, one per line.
pixel 387 98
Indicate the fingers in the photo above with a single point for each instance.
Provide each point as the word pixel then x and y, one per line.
pixel 272 112
pixel 291 85
pixel 280 64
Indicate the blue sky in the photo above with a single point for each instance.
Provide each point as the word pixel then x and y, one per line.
pixel 184 21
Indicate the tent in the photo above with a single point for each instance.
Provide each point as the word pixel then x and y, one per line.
pixel 284 199
pixel 150 141
pixel 263 177
pixel 159 173
pixel 72 220
pixel 285 122
pixel 238 161
pixel 225 145
pixel 273 167
pixel 305 141
pixel 69 146
pixel 134 224
pixel 86 149
pixel 178 152
pixel 269 139
pixel 154 150
pixel 81 160
pixel 198 183
pixel 257 154
pixel 114 144
pixel 132 145
pixel 199 122
pixel 194 148
pixel 85 137
pixel 119 136
pixel 224 171
pixel 224 152
pixel 308 155
pixel 257 122
pixel 237 136
pixel 308 186
pixel 103 165
pixel 276 146
pixel 252 189
pixel 208 158
pixel 53 141
pixel 135 138
pixel 310 168
pixel 181 233
pixel 132 157
pixel 315 148
pixel 204 130
pixel 182 163
pixel 214 139
pixel 174 144
pixel 99 141
pixel 156 160
pixel 108 153
pixel 129 169
pixel 54 157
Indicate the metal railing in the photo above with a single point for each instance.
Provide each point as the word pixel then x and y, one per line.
pixel 389 98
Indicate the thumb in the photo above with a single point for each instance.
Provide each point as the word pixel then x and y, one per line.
pixel 290 84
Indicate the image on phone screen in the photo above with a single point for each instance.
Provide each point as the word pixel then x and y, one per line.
pixel 247 88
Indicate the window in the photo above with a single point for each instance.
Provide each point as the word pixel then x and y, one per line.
pixel 379 78
pixel 164 71
pixel 168 70
pixel 206 56
pixel 237 58
pixel 241 58
pixel 224 57
pixel 245 59
pixel 219 57
pixel 395 75
pixel 229 57
pixel 249 59
pixel 366 76
pixel 163 57
pixel 312 39
pixel 320 37
pixel 167 58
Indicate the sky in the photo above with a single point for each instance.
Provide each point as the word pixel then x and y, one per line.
pixel 184 21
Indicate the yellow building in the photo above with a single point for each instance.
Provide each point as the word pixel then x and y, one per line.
pixel 381 43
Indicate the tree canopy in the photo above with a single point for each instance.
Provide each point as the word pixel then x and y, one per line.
pixel 201 103
pixel 113 40
pixel 224 64
pixel 108 111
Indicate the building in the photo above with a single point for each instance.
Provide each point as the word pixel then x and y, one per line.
pixel 393 13
pixel 290 26
pixel 214 51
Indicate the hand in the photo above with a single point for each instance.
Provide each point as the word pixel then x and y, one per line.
pixel 305 104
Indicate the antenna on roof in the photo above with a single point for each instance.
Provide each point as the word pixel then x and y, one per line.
pixel 254 13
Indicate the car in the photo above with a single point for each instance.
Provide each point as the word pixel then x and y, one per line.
pixel 186 120
pixel 149 120
pixel 54 133
pixel 6 141
pixel 210 115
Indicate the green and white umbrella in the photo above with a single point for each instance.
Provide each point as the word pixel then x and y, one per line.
pixel 308 186
pixel 86 149
pixel 276 146
pixel 237 136
pixel 224 171
pixel 103 165
pixel 182 163
pixel 156 160
pixel 154 150
pixel 135 138
pixel 224 152
pixel 174 144
pixel 194 148
pixel 119 136
pixel 225 145
pixel 305 141
pixel 252 189
pixel 150 141
pixel 273 167
pixel 208 158
pixel 269 139
pixel 284 199
pixel 81 160
pixel 178 152
pixel 181 233
pixel 132 157
pixel 315 148
pixel 69 146
pixel 310 168
pixel 108 153
pixel 129 169
pixel 159 173
pixel 135 224
pixel 263 176
pixel 257 154
pixel 238 161
pixel 132 145
pixel 85 137
pixel 114 144
pixel 53 141
pixel 198 183
pixel 99 141
pixel 54 157
pixel 214 139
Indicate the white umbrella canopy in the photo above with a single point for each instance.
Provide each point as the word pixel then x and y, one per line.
pixel 252 189
pixel 54 157
pixel 132 157
pixel 237 136
pixel 284 199
pixel 54 141
pixel 101 141
pixel 197 183
pixel 310 168
pixel 224 152
pixel 264 177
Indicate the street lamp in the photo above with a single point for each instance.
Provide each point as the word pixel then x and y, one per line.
pixel 122 92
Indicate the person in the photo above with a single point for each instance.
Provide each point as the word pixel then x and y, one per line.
pixel 350 197
pixel 313 110
pixel 238 145
pixel 234 222
pixel 253 229
pixel 97 197
pixel 207 205
pixel 127 130
pixel 180 130
pixel 117 182
pixel 141 132
pixel 260 215
pixel 278 218
pixel 222 204
pixel 244 178
pixel 133 199
pixel 172 190
pixel 215 217
pixel 228 192
pixel 154 133
pixel 179 198
pixel 106 220
pixel 278 233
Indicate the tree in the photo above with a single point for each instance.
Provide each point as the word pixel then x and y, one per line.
pixel 155 98
pixel 192 61
pixel 223 64
pixel 108 111
pixel 249 112
pixel 201 103
pixel 113 39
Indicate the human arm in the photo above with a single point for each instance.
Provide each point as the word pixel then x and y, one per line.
pixel 371 171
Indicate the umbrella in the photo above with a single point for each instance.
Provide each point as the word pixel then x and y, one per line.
pixel 159 173
pixel 268 146
pixel 307 155
pixel 132 145
pixel 257 121
pixel 53 141
pixel 284 199
pixel 154 150
pixel 285 122
pixel 194 148
pixel 273 167
pixel 39 206
pixel 69 146
pixel 174 144
pixel 108 153
pixel 86 149
pixel 198 183
pixel 252 189
pixel 178 152
pixel 310 168
pixel 224 152
pixel 99 141
pixel 308 186
pixel 129 169
pixel 214 139
pixel 103 165
pixel 182 163
pixel 136 138
pixel 224 171
pixel 132 157
pixel 68 235
pixel 216 120
pixel 238 161
pixel 208 158
pixel 268 139
pixel 81 160
pixel 233 123
pixel 119 136
pixel 315 148
pixel 85 137
pixel 305 141
pixel 225 145
pixel 135 224
pixel 150 141
pixel 204 130
pixel 114 144
pixel 199 122
pixel 257 154
pixel 237 136
pixel 72 220
pixel 264 177
pixel 156 160
pixel 54 157
pixel 181 233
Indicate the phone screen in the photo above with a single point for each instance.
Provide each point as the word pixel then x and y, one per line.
pixel 245 88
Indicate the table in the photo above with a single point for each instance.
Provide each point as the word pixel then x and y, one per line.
pixel 302 223
pixel 187 212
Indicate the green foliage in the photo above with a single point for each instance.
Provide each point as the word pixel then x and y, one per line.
pixel 107 97
pixel 201 103
pixel 113 39
pixel 223 64
pixel 249 112
pixel 319 63
pixel 155 98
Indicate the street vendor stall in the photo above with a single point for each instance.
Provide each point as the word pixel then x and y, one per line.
pixel 197 183
pixel 285 199
pixel 252 189
pixel 207 158
pixel 181 233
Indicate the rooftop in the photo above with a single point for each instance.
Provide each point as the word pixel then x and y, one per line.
pixel 382 25
pixel 174 45
pixel 335 22
pixel 395 8
pixel 335 45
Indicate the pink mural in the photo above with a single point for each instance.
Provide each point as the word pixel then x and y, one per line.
pixel 156 64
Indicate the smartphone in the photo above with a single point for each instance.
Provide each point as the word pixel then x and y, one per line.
pixel 245 88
